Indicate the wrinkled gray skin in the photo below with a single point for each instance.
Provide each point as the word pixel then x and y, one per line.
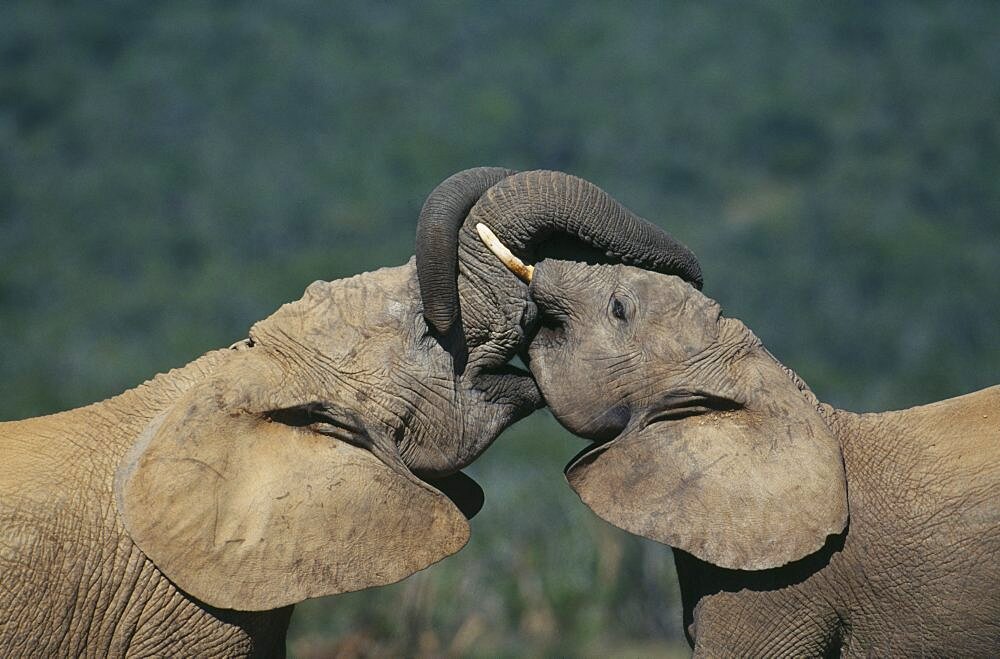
pixel 185 517
pixel 670 381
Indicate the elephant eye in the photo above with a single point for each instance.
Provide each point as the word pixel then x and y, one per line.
pixel 325 419
pixel 618 308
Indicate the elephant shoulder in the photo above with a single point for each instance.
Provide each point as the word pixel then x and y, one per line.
pixel 965 428
pixel 943 459
pixel 31 449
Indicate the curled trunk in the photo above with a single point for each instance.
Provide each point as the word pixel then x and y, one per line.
pixel 530 212
pixel 437 235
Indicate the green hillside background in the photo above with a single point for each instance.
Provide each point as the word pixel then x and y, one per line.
pixel 171 172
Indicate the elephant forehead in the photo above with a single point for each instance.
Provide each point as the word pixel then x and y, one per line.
pixel 676 320
pixel 336 317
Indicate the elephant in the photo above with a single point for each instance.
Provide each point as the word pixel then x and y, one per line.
pixel 797 529
pixel 319 455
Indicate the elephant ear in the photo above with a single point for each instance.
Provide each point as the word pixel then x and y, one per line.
pixel 748 489
pixel 245 512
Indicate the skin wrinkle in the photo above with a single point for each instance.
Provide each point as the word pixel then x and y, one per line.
pixel 351 380
pixel 439 220
pixel 473 268
pixel 88 602
pixel 619 367
pixel 143 582
pixel 111 627
pixel 575 208
pixel 322 369
pixel 416 413
pixel 491 324
pixel 425 394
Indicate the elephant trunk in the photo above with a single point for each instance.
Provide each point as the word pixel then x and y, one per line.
pixel 437 240
pixel 526 209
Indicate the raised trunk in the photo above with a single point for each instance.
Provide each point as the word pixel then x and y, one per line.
pixel 437 233
pixel 527 209
pixel 534 213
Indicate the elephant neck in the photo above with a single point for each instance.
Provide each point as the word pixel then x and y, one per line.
pixel 161 390
pixel 58 453
pixel 120 419
pixel 800 384
pixel 844 425
pixel 881 449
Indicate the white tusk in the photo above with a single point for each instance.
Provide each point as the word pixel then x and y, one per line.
pixel 514 264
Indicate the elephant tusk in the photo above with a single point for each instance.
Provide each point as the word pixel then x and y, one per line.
pixel 514 264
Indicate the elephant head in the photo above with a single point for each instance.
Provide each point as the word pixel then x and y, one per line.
pixel 314 457
pixel 702 439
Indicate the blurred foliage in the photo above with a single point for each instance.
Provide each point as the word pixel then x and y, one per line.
pixel 171 172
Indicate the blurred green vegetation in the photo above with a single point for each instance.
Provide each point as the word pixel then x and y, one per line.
pixel 171 172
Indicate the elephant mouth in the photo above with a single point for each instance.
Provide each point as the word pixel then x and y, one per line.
pixel 667 408
pixel 461 490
